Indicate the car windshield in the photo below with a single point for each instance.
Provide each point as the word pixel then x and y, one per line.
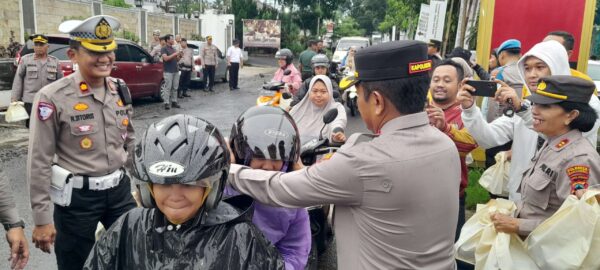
pixel 594 71
pixel 345 45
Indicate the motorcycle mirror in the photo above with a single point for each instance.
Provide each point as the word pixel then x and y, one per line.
pixel 328 118
pixel 287 72
pixel 286 95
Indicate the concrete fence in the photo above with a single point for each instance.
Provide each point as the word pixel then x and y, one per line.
pixel 25 17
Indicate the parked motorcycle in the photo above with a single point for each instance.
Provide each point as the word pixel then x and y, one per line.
pixel 311 152
pixel 349 95
pixel 275 94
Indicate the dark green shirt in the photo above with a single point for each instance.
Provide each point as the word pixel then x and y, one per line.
pixel 305 58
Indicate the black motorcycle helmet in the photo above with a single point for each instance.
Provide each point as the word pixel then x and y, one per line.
pixel 265 132
pixel 286 54
pixel 182 149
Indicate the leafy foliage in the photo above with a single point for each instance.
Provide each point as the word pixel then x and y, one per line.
pixel 128 35
pixel 117 3
pixel 404 14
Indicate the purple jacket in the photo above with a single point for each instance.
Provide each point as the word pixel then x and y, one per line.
pixel 288 229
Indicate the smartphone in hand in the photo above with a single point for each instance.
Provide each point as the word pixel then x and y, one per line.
pixel 483 88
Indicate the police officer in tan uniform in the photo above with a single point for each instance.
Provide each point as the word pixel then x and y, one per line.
pixel 35 71
pixel 81 126
pixel 396 193
pixel 209 56
pixel 567 162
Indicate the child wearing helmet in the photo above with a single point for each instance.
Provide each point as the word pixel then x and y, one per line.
pixel 284 60
pixel 267 138
pixel 184 162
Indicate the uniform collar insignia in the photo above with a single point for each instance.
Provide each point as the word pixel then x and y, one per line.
pixel 562 143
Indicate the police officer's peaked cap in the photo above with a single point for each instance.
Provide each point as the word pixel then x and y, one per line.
pixel 388 61
pixel 95 33
pixel 559 88
pixel 39 38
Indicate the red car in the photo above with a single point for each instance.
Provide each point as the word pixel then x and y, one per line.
pixel 133 64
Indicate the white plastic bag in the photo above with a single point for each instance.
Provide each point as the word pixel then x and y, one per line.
pixel 495 178
pixel 16 112
pixel 569 239
pixel 481 245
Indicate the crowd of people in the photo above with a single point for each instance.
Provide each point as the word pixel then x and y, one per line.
pixel 213 203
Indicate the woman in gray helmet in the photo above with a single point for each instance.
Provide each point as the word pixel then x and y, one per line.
pixel 184 163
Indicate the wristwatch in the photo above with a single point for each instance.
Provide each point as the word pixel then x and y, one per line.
pixel 14 225
pixel 524 107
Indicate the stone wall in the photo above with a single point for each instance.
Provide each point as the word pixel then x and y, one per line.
pixel 164 23
pixel 187 27
pixel 130 19
pixel 10 21
pixel 50 13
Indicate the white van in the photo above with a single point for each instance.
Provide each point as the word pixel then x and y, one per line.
pixel 344 45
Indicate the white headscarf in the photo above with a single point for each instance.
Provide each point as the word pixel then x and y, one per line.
pixel 309 117
pixel 552 53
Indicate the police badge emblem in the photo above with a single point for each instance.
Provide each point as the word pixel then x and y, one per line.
pixel 103 29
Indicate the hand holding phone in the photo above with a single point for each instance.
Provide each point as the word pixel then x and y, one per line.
pixel 483 88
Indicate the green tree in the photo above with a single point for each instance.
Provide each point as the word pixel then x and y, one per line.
pixel 116 3
pixel 404 14
pixel 368 13
pixel 348 27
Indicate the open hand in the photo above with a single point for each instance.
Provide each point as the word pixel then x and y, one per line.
pixel 19 250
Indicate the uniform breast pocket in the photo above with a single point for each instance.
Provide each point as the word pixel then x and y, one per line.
pixel 538 190
pixel 84 134
pixel 51 70
pixel 32 72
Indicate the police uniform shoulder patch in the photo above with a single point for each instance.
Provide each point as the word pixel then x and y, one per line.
pixel 45 110
pixel 579 175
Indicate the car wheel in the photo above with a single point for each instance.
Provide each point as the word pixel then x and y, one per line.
pixel 157 96
pixel 352 106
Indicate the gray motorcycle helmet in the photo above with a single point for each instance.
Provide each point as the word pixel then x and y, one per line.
pixel 182 149
pixel 320 60
pixel 286 54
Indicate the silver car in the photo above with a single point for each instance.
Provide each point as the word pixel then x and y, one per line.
pixel 197 77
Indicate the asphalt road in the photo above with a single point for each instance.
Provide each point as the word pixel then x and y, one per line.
pixel 220 108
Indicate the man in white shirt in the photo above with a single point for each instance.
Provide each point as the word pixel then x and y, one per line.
pixel 234 63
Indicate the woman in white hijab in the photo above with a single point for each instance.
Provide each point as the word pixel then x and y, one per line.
pixel 308 113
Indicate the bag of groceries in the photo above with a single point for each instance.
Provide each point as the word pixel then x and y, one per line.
pixel 569 239
pixel 481 245
pixel 495 178
pixel 16 112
